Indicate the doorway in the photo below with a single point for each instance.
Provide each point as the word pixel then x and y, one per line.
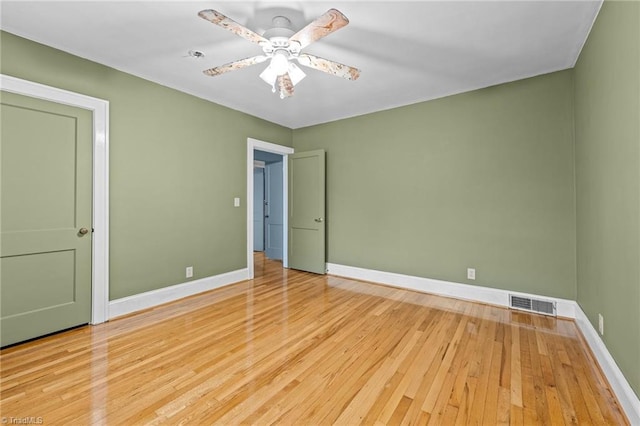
pixel 268 201
pixel 278 155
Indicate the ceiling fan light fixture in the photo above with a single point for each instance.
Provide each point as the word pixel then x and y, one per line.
pixel 280 62
pixel 295 73
pixel 269 76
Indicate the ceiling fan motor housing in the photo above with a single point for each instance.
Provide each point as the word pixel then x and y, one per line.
pixel 281 28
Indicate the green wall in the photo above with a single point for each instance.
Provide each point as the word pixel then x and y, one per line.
pixel 483 179
pixel 176 163
pixel 607 120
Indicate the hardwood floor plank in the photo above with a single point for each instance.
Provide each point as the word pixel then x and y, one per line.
pixel 464 411
pixel 551 392
pixel 516 368
pixel 483 370
pixel 493 387
pixel 401 410
pixel 290 347
pixel 536 350
pixel 504 408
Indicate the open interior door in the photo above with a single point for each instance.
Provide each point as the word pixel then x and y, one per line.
pixel 307 211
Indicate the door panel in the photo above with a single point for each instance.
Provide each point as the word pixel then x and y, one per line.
pixel 45 262
pixel 307 211
pixel 258 209
pixel 26 170
pixel 43 276
pixel 274 217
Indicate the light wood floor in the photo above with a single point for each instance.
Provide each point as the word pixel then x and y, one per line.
pixel 297 348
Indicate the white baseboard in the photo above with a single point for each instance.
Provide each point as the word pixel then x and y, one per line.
pixel 149 299
pixel 621 387
pixel 564 308
pixel 493 296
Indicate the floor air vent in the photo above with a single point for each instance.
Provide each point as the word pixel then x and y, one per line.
pixel 532 305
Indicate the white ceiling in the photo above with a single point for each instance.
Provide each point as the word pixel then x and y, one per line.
pixel 408 52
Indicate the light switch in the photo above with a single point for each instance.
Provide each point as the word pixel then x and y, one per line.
pixel 236 202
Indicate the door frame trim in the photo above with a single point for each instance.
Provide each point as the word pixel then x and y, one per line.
pixel 100 202
pixel 252 145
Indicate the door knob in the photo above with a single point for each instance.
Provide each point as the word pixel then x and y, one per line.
pixel 83 231
pixel 319 219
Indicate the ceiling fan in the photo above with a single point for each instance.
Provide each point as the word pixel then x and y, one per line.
pixel 280 46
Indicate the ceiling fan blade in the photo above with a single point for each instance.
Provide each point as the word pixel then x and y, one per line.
pixel 229 24
pixel 285 85
pixel 235 65
pixel 330 67
pixel 331 21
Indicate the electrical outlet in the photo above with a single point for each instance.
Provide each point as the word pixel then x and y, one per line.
pixel 471 273
pixel 236 202
pixel 601 324
pixel 189 271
